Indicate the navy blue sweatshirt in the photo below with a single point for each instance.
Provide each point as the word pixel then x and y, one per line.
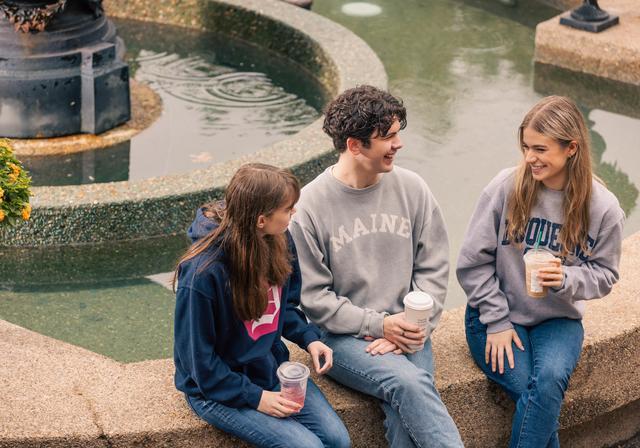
pixel 217 355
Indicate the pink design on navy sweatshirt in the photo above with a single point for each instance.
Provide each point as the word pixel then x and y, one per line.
pixel 268 322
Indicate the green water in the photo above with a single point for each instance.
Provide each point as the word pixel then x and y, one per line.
pixel 126 321
pixel 222 98
pixel 105 298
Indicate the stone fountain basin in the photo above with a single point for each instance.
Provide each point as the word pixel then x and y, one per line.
pixel 165 205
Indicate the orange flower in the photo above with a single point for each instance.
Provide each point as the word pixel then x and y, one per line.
pixel 15 168
pixel 26 212
pixel 1 216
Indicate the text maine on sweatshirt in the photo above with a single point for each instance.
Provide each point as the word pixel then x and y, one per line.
pixel 375 223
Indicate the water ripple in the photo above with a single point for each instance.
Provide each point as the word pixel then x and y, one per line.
pixel 196 81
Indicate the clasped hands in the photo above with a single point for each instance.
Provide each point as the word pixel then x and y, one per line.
pixel 398 336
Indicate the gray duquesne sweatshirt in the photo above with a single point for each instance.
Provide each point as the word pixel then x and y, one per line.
pixel 491 268
pixel 362 250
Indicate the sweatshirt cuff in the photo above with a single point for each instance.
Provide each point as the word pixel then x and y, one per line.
pixel 501 325
pixel 254 395
pixel 564 283
pixel 376 325
pixel 311 335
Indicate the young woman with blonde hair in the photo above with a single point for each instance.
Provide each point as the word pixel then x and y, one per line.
pixel 551 201
pixel 238 293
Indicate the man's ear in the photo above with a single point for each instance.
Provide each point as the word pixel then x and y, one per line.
pixel 354 146
pixel 261 222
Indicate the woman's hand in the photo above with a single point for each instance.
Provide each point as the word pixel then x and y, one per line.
pixel 401 333
pixel 497 345
pixel 317 350
pixel 552 275
pixel 273 404
pixel 381 346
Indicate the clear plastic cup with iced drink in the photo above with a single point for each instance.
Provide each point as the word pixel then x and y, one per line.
pixel 293 381
pixel 534 260
pixel 417 311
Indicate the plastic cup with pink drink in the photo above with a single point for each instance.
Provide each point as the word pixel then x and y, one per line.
pixel 293 378
pixel 417 311
pixel 534 260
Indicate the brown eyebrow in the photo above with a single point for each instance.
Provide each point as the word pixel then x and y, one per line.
pixel 535 146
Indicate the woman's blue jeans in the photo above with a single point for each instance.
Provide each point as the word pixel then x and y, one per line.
pixel 540 377
pixel 415 414
pixel 315 426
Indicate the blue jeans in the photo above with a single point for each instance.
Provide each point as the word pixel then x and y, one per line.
pixel 415 414
pixel 540 377
pixel 315 426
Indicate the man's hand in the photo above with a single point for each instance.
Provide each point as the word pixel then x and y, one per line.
pixel 499 344
pixel 319 350
pixel 402 333
pixel 273 404
pixel 381 346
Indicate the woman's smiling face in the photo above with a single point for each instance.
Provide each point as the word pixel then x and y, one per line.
pixel 547 158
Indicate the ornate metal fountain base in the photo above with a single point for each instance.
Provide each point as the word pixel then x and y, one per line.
pixel 68 79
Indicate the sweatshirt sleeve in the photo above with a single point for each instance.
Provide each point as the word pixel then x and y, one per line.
pixel 195 337
pixel 431 262
pixel 476 270
pixel 323 306
pixel 296 327
pixel 595 278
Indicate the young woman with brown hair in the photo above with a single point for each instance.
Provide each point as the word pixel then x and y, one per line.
pixel 553 202
pixel 238 293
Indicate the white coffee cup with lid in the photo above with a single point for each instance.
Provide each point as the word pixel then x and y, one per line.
pixel 417 311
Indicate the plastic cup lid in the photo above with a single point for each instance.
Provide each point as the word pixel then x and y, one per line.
pixel 539 253
pixel 293 371
pixel 418 300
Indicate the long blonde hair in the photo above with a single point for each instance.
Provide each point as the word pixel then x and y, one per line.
pixel 252 260
pixel 559 118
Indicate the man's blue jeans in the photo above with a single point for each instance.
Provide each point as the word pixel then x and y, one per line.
pixel 540 377
pixel 415 414
pixel 315 426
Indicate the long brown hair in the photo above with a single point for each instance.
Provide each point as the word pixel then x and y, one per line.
pixel 559 118
pixel 252 260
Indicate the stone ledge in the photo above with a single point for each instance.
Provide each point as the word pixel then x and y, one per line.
pixel 613 54
pixel 55 394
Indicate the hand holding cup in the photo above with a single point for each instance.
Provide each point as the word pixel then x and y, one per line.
pixel 552 275
pixel 402 333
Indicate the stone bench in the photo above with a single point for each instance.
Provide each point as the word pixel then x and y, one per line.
pixel 55 394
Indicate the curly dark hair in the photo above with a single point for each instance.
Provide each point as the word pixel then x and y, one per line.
pixel 360 111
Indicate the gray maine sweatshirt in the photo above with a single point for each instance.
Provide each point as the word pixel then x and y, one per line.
pixel 362 250
pixel 491 268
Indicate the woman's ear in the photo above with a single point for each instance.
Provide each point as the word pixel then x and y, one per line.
pixel 354 146
pixel 573 148
pixel 261 221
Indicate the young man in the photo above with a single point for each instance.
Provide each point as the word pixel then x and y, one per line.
pixel 368 233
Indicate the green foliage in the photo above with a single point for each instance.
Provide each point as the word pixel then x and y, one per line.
pixel 14 188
